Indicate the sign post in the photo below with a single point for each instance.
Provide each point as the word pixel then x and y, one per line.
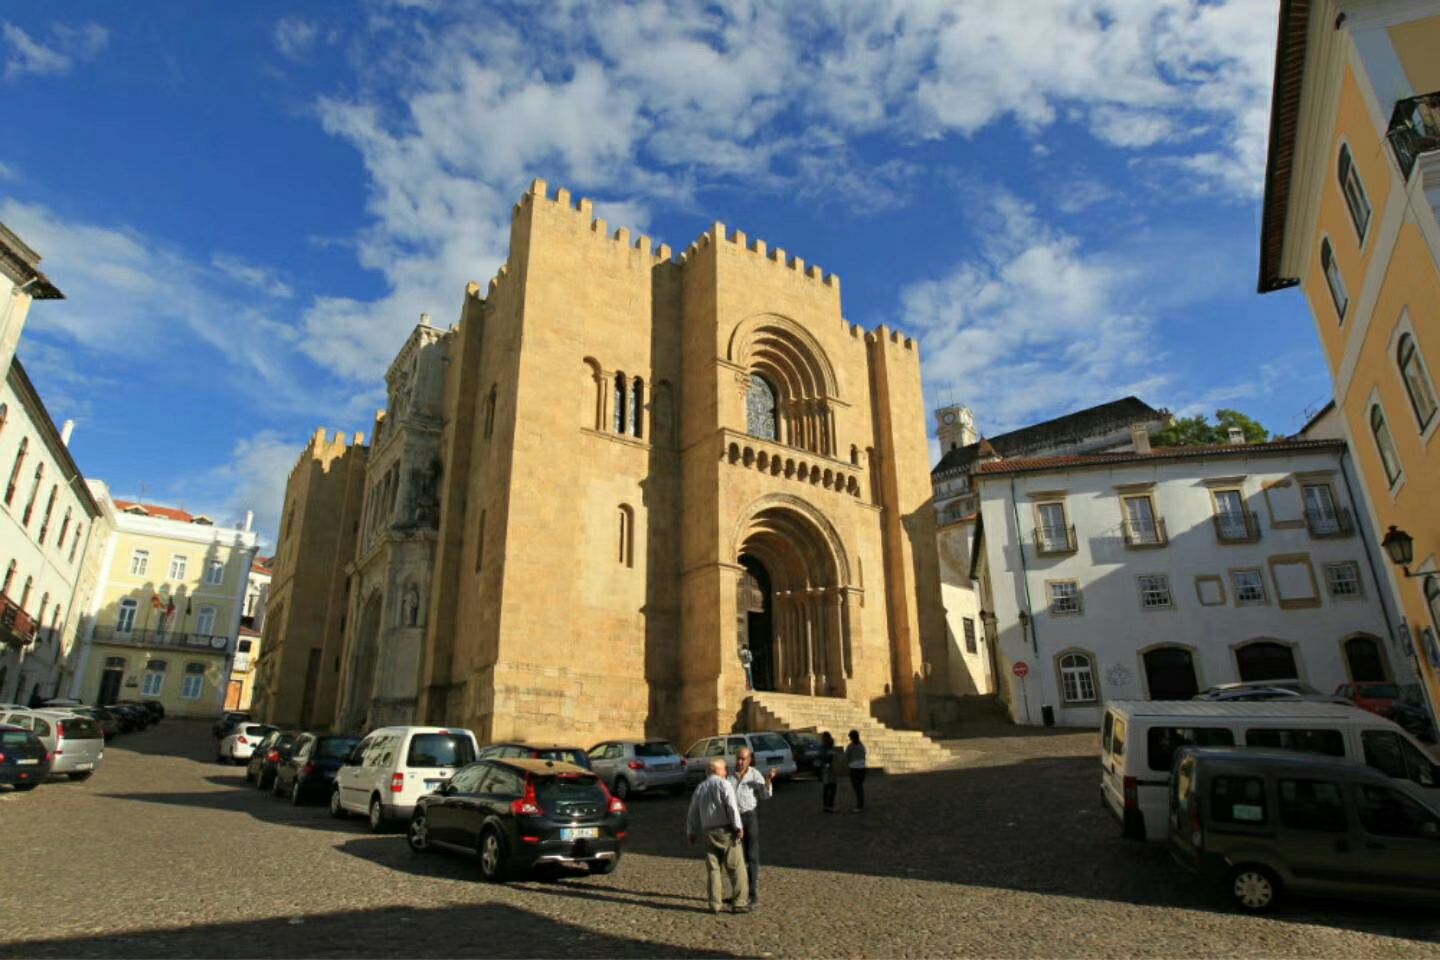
pixel 1021 669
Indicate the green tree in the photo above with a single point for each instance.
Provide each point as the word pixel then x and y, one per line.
pixel 1198 431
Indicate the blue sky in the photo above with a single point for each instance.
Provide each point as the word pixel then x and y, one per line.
pixel 249 208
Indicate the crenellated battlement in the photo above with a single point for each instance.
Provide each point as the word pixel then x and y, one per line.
pixel 321 447
pixel 584 207
pixel 883 334
pixel 776 255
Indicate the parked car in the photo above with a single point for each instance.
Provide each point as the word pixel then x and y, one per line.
pixel 805 746
pixel 637 766
pixel 393 767
pixel 132 717
pixel 75 743
pixel 227 723
pixel 519 813
pixel 309 772
pixel 1377 697
pixel 155 708
pixel 24 761
pixel 1412 715
pixel 1267 690
pixel 274 748
pixel 1138 740
pixel 770 751
pixel 241 742
pixel 1266 822
pixel 108 722
pixel 536 751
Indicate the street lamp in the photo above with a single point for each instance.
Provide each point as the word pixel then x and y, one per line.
pixel 1400 547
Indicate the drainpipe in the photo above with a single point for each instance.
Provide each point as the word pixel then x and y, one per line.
pixel 1024 571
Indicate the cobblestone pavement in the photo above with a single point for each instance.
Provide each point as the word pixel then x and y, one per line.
pixel 166 853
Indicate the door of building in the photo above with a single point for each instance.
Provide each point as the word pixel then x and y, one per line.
pixel 1170 674
pixel 110 681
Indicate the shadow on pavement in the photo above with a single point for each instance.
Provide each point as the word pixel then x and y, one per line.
pixel 472 930
pixel 262 806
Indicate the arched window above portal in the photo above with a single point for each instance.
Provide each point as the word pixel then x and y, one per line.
pixel 760 419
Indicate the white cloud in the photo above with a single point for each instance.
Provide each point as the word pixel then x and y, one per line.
pixel 28 56
pixel 8 172
pixel 252 275
pixel 253 479
pixel 295 37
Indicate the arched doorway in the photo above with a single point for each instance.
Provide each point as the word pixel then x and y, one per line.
pixel 362 680
pixel 1266 660
pixel 1170 673
pixel 1363 657
pixel 795 571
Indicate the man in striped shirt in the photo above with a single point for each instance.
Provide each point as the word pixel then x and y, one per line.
pixel 715 815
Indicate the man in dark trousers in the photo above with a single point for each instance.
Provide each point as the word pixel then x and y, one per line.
pixel 750 788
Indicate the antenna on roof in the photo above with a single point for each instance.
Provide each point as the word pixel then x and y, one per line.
pixel 143 488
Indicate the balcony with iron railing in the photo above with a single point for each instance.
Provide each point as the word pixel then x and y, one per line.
pixel 1054 540
pixel 1414 129
pixel 1144 533
pixel 1236 527
pixel 174 639
pixel 1329 523
pixel 17 628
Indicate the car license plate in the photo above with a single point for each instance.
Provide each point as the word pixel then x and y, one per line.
pixel 579 833
pixel 84 766
pixel 27 763
pixel 434 784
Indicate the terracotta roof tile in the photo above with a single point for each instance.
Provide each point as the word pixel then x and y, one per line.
pixel 151 510
pixel 1159 453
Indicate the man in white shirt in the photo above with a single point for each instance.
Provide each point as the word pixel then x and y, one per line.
pixel 715 815
pixel 750 788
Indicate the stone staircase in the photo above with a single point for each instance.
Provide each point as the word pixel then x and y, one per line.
pixel 896 751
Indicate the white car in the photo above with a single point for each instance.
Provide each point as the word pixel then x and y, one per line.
pixel 395 766
pixel 240 743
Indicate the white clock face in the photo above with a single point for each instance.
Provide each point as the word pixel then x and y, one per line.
pixel 949 418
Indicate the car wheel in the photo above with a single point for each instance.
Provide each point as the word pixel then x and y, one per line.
pixel 622 788
pixel 377 815
pixel 600 868
pixel 492 855
pixel 276 788
pixel 336 810
pixel 249 777
pixel 419 834
pixel 295 792
pixel 260 782
pixel 1254 888
pixel 82 776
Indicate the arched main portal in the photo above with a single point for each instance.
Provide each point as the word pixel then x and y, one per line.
pixel 795 571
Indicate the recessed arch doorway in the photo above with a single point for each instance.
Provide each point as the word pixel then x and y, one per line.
pixel 793 599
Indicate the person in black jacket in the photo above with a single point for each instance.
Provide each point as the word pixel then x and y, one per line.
pixel 825 770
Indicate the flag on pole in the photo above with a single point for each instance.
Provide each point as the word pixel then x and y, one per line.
pixel 155 601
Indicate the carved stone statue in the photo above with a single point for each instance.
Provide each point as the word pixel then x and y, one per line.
pixel 426 504
pixel 410 607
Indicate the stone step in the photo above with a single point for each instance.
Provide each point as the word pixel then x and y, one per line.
pixel 900 751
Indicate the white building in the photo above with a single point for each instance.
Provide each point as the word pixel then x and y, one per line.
pixel 21 283
pixel 1156 573
pixel 1109 426
pixel 47 521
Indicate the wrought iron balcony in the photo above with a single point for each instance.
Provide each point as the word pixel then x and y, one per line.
pixel 1236 527
pixel 162 638
pixel 1414 129
pixel 1329 523
pixel 1145 533
pixel 1055 539
pixel 17 627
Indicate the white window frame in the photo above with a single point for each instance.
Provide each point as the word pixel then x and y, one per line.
pixel 139 562
pixel 1071 599
pixel 193 684
pixel 1339 295
pixel 124 624
pixel 1081 675
pixel 1331 582
pixel 1238 591
pixel 205 619
pixel 1158 586
pixel 179 566
pixel 149 690
pixel 215 572
pixel 1353 191
pixel 1421 379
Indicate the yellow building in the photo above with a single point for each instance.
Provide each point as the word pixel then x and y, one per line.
pixel 1352 217
pixel 167 612
pixel 250 639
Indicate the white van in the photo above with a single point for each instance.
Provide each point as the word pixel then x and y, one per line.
pixel 394 766
pixel 1138 739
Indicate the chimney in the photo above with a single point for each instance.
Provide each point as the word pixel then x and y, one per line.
pixel 1140 437
pixel 249 520
pixel 67 428
pixel 424 319
pixel 1236 436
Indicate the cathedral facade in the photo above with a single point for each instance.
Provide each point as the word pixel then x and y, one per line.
pixel 620 468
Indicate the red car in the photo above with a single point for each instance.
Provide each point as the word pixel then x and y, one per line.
pixel 1373 695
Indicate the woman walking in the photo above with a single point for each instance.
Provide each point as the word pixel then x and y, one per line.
pixel 825 769
pixel 855 759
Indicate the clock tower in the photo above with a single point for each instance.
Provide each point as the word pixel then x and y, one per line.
pixel 955 426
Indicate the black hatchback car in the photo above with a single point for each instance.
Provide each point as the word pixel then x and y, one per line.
pixel 269 754
pixel 309 771
pixel 517 814
pixel 24 761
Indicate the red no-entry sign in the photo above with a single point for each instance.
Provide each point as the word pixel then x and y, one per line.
pixel 1020 669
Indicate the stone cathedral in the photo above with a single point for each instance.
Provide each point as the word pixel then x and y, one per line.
pixel 618 469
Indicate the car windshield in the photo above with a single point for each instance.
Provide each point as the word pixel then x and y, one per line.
pixel 440 750
pixel 767 741
pixel 256 730
pixel 1378 691
pixel 805 739
pixel 572 788
pixel 14 738
pixel 566 755
pixel 336 748
pixel 657 749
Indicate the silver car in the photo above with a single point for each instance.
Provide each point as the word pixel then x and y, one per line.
pixel 638 766
pixel 75 742
pixel 770 751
